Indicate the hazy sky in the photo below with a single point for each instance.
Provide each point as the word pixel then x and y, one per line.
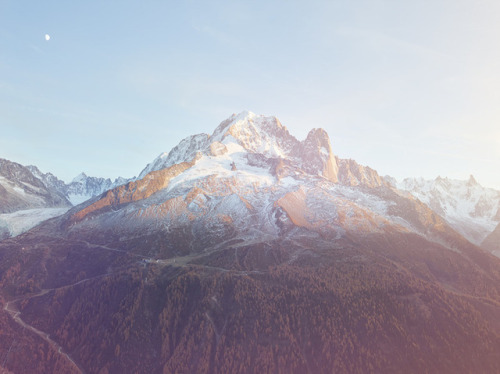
pixel 410 88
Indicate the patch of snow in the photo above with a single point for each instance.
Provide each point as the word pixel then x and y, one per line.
pixel 23 220
pixel 21 193
pixel 369 201
pixel 184 151
pixel 19 190
pixel 324 151
pixel 289 182
pixel 221 166
pixel 37 189
pixel 256 133
pixel 232 145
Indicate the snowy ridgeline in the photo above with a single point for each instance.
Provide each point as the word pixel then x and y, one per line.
pixel 80 189
pixel 471 209
pixel 257 152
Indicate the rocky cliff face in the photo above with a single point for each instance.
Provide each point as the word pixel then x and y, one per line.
pixel 20 189
pixel 317 156
pixel 353 174
pixel 134 191
pixel 48 179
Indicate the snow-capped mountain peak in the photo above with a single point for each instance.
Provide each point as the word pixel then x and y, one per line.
pixel 80 178
pixel 83 187
pixel 184 151
pixel 255 134
pixel 472 181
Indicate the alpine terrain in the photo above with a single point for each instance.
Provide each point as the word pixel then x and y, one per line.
pixel 492 241
pixel 249 251
pixel 81 188
pixel 28 196
pixel 472 210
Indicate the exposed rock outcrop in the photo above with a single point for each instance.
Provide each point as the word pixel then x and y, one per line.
pixel 317 156
pixel 353 174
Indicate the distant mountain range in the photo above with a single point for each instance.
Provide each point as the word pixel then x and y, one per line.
pixel 28 196
pixel 249 251
pixel 469 208
pixel 472 210
pixel 81 188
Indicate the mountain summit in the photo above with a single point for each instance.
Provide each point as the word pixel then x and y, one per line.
pixel 255 134
pixel 254 167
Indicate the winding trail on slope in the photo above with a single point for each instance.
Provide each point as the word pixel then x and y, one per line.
pixel 182 261
pixel 15 313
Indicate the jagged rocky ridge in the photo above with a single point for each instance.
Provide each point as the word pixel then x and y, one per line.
pixel 81 188
pixel 20 189
pixel 25 200
pixel 468 207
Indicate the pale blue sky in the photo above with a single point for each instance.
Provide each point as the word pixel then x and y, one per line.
pixel 410 88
